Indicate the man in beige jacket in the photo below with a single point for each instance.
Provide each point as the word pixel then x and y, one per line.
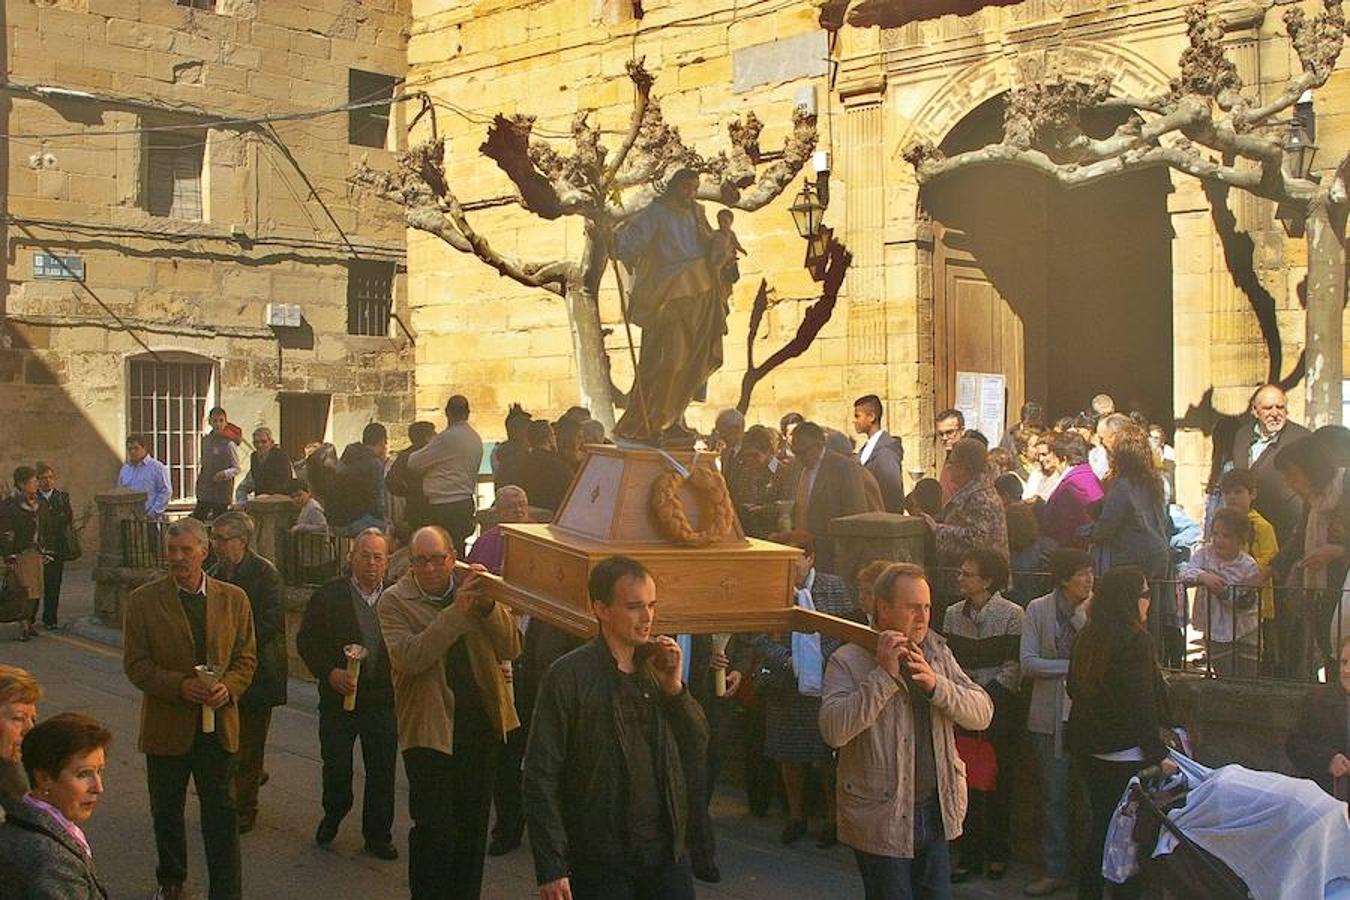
pixel 446 644
pixel 901 787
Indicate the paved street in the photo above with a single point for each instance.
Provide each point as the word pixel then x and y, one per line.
pixel 280 858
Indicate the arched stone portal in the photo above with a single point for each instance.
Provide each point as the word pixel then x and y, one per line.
pixel 1066 293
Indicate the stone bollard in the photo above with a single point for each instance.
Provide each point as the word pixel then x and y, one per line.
pixel 867 536
pixel 273 515
pixel 112 580
pixel 114 508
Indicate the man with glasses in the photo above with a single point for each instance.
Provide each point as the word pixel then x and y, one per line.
pixel 236 563
pixel 446 643
pixel 951 427
pixel 343 612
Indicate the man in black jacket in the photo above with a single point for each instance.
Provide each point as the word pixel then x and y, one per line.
pixel 1257 444
pixel 238 564
pixel 340 613
pixel 823 486
pixel 881 453
pixel 605 794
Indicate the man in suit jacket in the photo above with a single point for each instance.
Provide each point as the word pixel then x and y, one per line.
pixel 340 613
pixel 238 564
pixel 1256 445
pixel 881 454
pixel 824 486
pixel 172 625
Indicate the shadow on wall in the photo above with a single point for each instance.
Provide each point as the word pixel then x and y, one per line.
pixel 44 422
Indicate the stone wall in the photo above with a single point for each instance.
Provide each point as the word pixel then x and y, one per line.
pixel 499 342
pixel 279 222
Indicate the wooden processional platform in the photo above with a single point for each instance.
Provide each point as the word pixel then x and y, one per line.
pixel 737 585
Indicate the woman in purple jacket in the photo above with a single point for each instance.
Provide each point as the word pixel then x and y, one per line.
pixel 1067 516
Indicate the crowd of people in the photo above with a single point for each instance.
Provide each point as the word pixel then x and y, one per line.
pixel 606 752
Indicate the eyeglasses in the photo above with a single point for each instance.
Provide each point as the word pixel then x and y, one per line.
pixel 434 559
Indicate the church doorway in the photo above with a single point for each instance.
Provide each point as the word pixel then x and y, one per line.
pixel 1065 293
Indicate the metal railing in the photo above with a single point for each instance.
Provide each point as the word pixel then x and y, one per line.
pixel 1277 632
pixel 303 558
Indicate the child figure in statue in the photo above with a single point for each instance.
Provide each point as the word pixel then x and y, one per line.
pixel 726 248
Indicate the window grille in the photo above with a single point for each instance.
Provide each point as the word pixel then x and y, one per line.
pixel 370 297
pixel 168 402
pixel 208 5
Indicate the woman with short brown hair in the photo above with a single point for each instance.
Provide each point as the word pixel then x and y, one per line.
pixel 43 850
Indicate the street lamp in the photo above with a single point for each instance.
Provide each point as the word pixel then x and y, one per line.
pixel 807 212
pixel 1299 150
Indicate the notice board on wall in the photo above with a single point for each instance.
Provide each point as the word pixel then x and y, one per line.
pixel 982 397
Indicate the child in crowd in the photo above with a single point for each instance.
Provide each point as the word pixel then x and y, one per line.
pixel 1238 487
pixel 1225 606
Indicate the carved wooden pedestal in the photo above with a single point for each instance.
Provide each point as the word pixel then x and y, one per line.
pixel 738 585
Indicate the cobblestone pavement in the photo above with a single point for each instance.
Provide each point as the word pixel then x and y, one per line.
pixel 79 670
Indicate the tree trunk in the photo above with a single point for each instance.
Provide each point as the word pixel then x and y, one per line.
pixel 588 346
pixel 1326 302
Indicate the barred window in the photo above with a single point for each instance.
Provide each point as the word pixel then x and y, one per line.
pixel 173 173
pixel 167 403
pixel 370 297
pixel 209 5
pixel 368 126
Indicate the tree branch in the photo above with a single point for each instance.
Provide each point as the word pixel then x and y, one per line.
pixel 775 179
pixel 642 83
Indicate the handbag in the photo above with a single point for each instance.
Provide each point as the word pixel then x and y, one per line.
pixel 15 604
pixel 70 543
pixel 977 752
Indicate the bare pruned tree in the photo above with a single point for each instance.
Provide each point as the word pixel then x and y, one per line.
pixel 1204 126
pixel 600 185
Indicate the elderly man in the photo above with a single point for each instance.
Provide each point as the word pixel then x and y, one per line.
pixel 238 564
pixel 1099 457
pixel 19 694
pixel 511 506
pixel 613 733
pixel 1257 445
pixel 341 613
pixel 728 432
pixel 892 714
pixel 823 486
pixel 881 454
pixel 446 644
pixel 449 466
pixel 142 472
pixel 172 625
pixel 269 471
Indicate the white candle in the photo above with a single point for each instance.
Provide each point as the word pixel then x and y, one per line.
pixel 210 677
pixel 355 653
pixel 719 643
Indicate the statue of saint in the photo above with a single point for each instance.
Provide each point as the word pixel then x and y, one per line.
pixel 679 300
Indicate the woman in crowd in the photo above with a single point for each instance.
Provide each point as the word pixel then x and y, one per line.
pixel 984 632
pixel 218 462
pixel 1067 516
pixel 750 482
pixel 25 536
pixel 1312 471
pixel 974 516
pixel 43 851
pixel 62 521
pixel 1319 746
pixel 1118 712
pixel 1049 629
pixel 19 694
pixel 792 706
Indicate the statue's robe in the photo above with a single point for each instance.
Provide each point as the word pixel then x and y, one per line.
pixel 680 303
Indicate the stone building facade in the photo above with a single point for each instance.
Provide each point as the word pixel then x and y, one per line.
pixel 152 223
pixel 1170 298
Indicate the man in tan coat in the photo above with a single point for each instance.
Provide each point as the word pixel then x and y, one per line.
pixel 173 625
pixel 901 787
pixel 446 642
